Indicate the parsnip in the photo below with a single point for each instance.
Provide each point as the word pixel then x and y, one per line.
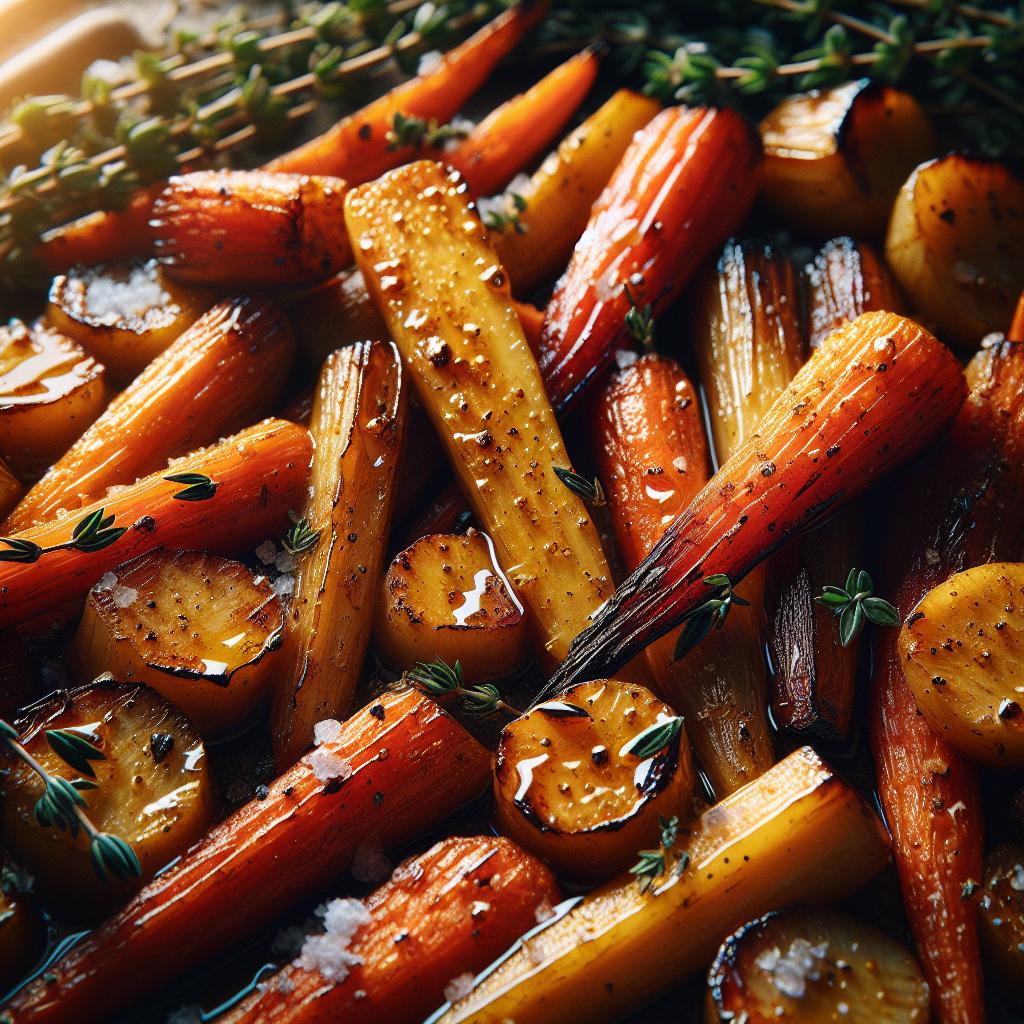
pixel 195 627
pixel 954 245
pixel 818 967
pixel 963 656
pixel 224 372
pixel 797 832
pixel 124 314
pixel 569 788
pixel 357 425
pixel 444 295
pixel 445 598
pixel 153 790
pixel 834 160
pixel 50 391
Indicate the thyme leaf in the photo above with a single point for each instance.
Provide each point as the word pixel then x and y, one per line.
pixel 655 738
pixel 199 487
pixel 710 614
pixel 301 538
pixel 73 748
pixel 588 490
pixel 437 678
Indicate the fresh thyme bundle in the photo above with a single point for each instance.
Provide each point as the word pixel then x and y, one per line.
pixel 248 79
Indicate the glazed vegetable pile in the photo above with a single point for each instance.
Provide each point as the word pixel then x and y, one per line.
pixel 590 511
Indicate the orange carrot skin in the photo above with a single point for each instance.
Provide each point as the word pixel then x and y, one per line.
pixel 224 372
pixel 520 130
pixel 250 228
pixel 460 905
pixel 1016 332
pixel 958 509
pixel 877 392
pixel 684 185
pixel 268 855
pixel 260 474
pixel 357 148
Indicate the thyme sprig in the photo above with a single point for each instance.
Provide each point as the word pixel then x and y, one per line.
pixel 709 614
pixel 666 860
pixel 502 213
pixel 95 532
pixel 198 486
pixel 639 320
pixel 855 604
pixel 589 490
pixel 439 679
pixel 301 538
pixel 62 805
pixel 416 132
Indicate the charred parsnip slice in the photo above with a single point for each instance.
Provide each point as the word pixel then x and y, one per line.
pixel 22 928
pixel 834 160
pixel 1001 914
pixel 846 278
pixel 445 298
pixel 359 148
pixel 684 184
pixel 125 314
pixel 225 371
pixel 50 391
pixel 256 477
pixel 652 457
pixel 445 598
pixel 957 509
pixel 195 627
pixel 152 790
pixel 814 678
pixel 456 907
pixel 954 245
pixel 876 393
pixel 582 781
pixel 251 228
pixel 377 775
pixel 797 832
pixel 963 653
pixel 817 966
pixel 565 187
pixel 357 425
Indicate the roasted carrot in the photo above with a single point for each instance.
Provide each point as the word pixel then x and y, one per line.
pixel 565 187
pixel 652 457
pixel 957 509
pixel 255 477
pixel 251 228
pixel 814 682
pixel 223 373
pixel 357 424
pixel 375 775
pixel 358 147
pixel 1016 332
pixel 684 185
pixel 877 392
pixel 456 907
pixel 510 137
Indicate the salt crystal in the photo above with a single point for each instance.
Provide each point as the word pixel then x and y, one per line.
pixel 326 731
pixel 792 970
pixel 458 988
pixel 329 954
pixel 267 552
pixel 625 357
pixel 285 562
pixel 369 863
pixel 106 582
pixel 1017 878
pixel 124 597
pixel 544 911
pixel 283 586
pixel 327 765
pixel 429 62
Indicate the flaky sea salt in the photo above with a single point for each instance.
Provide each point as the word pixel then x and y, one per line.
pixel 125 597
pixel 429 61
pixel 544 911
pixel 329 953
pixel 106 582
pixel 458 988
pixel 284 586
pixel 267 552
pixel 326 731
pixel 328 766
pixel 790 971
pixel 285 562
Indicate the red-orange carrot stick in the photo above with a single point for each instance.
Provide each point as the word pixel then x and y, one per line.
pixel 877 392
pixel 510 137
pixel 958 509
pixel 684 185
pixel 259 475
pixel 456 907
pixel 392 771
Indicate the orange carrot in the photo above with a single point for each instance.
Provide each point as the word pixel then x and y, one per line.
pixel 456 908
pixel 260 474
pixel 358 148
pixel 377 775
pixel 224 372
pixel 876 393
pixel 957 509
pixel 249 228
pixel 510 137
pixel 684 185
